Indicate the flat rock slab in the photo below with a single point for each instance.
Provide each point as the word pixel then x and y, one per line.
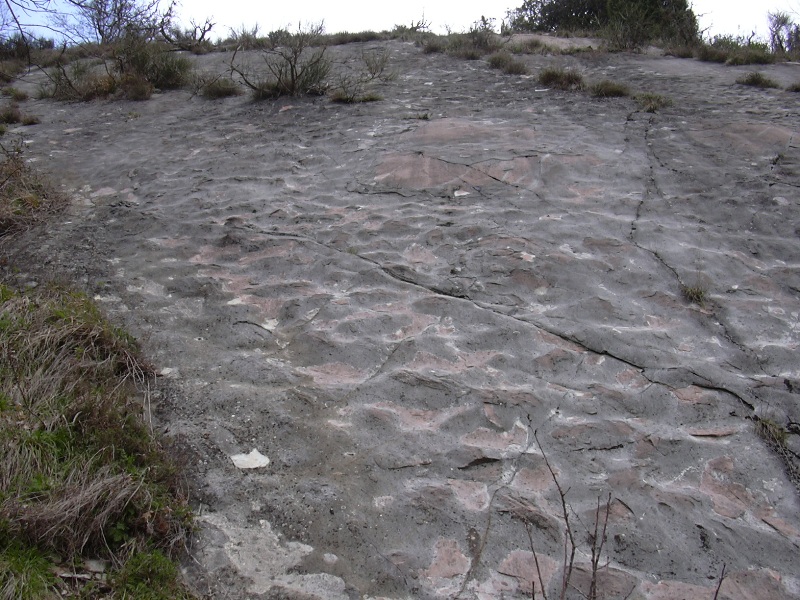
pixel 388 300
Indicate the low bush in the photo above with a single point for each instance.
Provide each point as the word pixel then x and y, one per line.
pixel 473 44
pixel 297 67
pixel 563 79
pixel 352 84
pixel 733 50
pixel 166 70
pixel 532 46
pixel 345 37
pixel 680 51
pixel 81 80
pixel 609 89
pixel 756 79
pixel 500 60
pixel 417 31
pixel 136 87
pixel 434 45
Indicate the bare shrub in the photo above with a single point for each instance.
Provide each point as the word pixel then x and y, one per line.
pixel 597 537
pixel 298 67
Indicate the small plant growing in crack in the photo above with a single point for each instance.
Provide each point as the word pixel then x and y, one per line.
pixel 696 294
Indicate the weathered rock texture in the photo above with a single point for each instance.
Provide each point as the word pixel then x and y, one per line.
pixel 389 306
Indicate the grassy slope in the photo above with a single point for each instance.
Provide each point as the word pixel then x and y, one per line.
pixel 81 475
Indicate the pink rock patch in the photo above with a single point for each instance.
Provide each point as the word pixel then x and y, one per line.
pixel 473 495
pixel 448 560
pixel 334 373
pixel 763 584
pixel 419 172
pixel 728 499
pixel 696 395
pixel 674 590
pixel 495 443
pixel 413 419
pixel 713 432
pixel 531 482
pixel 521 565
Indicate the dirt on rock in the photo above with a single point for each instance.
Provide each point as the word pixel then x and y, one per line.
pixel 387 300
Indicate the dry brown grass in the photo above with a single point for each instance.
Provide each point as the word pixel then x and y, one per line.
pixel 25 198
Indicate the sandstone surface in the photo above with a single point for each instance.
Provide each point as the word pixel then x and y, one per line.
pixel 388 300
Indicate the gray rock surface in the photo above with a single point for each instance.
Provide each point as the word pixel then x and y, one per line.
pixel 388 307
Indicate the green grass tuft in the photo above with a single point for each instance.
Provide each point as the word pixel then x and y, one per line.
pixel 609 89
pixel 563 79
pixel 695 294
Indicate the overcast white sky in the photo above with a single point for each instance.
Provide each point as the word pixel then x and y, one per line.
pixel 720 16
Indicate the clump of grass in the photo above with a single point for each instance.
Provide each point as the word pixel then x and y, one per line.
pixel 506 63
pixel 10 114
pixel 515 67
pixel 563 79
pixel 680 51
pixel 25 573
pixel 151 576
pixel 342 97
pixel 25 198
pixel 136 87
pixel 499 60
pixel 795 87
pixel 771 432
pixel 433 45
pixel 214 86
pixel 695 294
pixel 222 87
pixel 756 79
pixel 609 89
pixel 651 103
pixel 15 94
pixel 11 68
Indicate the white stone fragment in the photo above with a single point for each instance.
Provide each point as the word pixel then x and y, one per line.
pixel 254 460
